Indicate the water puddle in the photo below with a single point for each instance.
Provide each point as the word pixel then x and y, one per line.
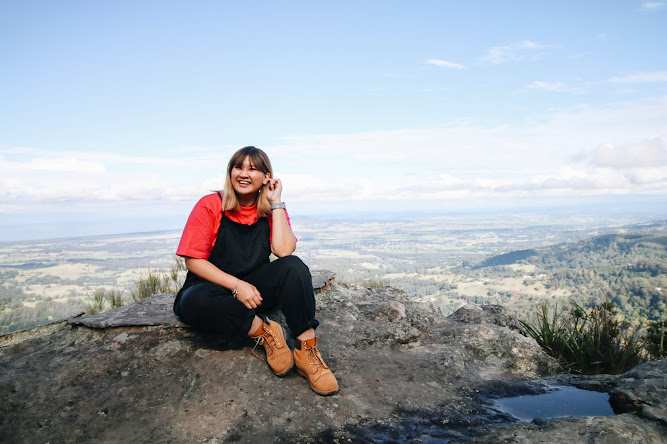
pixel 563 401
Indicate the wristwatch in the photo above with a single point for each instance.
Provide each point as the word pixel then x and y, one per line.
pixel 275 206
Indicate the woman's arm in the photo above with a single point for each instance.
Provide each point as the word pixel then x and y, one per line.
pixel 246 292
pixel 283 242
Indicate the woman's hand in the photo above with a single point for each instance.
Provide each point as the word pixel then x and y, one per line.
pixel 245 292
pixel 273 189
pixel 248 294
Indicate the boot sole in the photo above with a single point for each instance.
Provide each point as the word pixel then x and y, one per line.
pixel 319 392
pixel 284 372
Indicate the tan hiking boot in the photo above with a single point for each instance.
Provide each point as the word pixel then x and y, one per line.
pixel 310 365
pixel 278 355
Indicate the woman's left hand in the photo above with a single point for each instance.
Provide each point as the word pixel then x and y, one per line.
pixel 273 189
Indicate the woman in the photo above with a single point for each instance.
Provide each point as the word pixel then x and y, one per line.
pixel 231 282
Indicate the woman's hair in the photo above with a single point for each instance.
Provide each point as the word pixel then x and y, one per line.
pixel 261 161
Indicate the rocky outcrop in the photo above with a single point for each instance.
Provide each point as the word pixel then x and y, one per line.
pixel 643 390
pixel 406 374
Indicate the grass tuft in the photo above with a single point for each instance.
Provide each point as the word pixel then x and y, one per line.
pixel 103 300
pixel 589 341
pixel 149 283
pixel 373 282
pixel 656 338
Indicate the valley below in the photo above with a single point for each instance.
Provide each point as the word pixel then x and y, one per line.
pixel 448 261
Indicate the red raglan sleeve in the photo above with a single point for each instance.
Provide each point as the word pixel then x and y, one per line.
pixel 201 229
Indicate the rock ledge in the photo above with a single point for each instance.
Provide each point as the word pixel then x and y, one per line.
pixel 406 373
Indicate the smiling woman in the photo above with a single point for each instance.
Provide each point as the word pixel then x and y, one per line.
pixel 231 282
pixel 248 171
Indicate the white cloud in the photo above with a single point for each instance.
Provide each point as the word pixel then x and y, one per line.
pixel 582 181
pixel 643 77
pixel 512 52
pixel 391 75
pixel 190 149
pixel 429 90
pixel 564 181
pixel 652 6
pixel 620 149
pixel 646 154
pixel 444 64
pixel 550 86
pixel 66 164
pixel 647 176
pixel 465 161
pixel 39 176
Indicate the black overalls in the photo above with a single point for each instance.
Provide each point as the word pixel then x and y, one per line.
pixel 243 251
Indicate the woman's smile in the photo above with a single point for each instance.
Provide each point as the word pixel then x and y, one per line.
pixel 247 180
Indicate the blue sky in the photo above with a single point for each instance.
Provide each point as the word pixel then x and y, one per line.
pixel 117 116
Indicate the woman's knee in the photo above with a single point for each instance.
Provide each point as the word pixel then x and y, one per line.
pixel 292 262
pixel 210 307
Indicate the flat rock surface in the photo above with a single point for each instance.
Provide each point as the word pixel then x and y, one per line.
pixel 406 374
pixel 155 310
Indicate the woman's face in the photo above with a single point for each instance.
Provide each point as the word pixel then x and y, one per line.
pixel 247 179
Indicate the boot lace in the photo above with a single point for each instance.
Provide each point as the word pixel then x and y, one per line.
pixel 269 340
pixel 314 353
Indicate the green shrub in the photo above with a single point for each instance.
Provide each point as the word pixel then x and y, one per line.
pixel 148 283
pixel 103 300
pixel 587 341
pixel 177 272
pixel 373 283
pixel 153 282
pixel 656 338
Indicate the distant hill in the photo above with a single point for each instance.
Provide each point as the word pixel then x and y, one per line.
pixel 628 268
pixel 507 258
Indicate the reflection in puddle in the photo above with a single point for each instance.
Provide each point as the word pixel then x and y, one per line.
pixel 561 402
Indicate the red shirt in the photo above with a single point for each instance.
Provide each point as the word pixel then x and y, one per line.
pixel 201 229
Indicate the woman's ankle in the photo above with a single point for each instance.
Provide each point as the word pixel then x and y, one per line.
pixel 308 334
pixel 255 326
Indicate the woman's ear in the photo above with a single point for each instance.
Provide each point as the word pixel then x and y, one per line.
pixel 267 176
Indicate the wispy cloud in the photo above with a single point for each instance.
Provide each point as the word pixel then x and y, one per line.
pixel 652 6
pixel 649 153
pixel 642 77
pixel 444 64
pixel 190 149
pixel 513 52
pixel 391 75
pixel 563 181
pixel 620 149
pixel 464 161
pixel 556 86
pixel 40 176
